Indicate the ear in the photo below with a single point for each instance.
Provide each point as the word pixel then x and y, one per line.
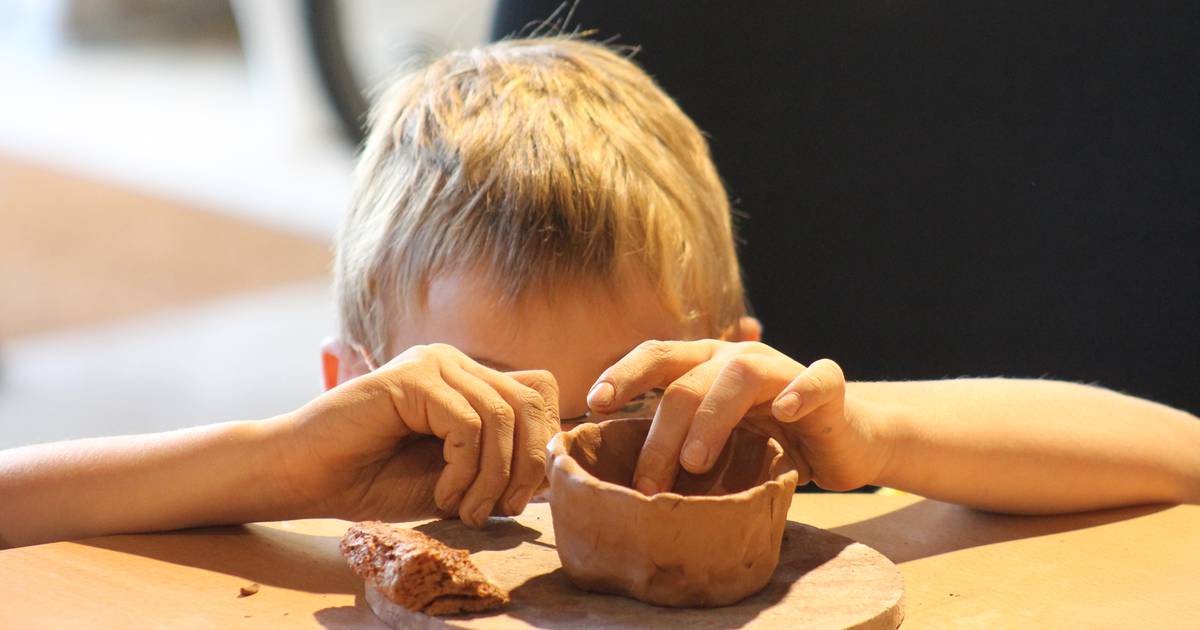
pixel 746 329
pixel 340 362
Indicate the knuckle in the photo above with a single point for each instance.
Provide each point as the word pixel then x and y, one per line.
pixel 470 423
pixel 711 425
pixel 742 366
pixel 498 409
pixel 403 381
pixel 545 377
pixel 423 359
pixel 682 390
pixel 531 401
pixel 413 358
pixel 441 351
pixel 656 350
pixel 833 369
pixel 756 347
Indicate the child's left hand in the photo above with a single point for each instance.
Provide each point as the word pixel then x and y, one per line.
pixel 710 386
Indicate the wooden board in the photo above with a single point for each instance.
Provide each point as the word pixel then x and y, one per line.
pixel 823 581
pixel 1131 567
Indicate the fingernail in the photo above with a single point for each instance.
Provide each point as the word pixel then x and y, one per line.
pixel 646 486
pixel 788 406
pixel 516 503
pixel 601 395
pixel 451 504
pixel 480 517
pixel 695 454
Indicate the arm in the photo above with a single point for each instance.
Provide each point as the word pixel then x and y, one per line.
pixel 360 451
pixel 1017 446
pixel 1031 446
pixel 200 476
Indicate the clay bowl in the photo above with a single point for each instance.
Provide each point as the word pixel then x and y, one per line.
pixel 712 541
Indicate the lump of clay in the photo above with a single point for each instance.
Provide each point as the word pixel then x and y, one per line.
pixel 711 541
pixel 417 572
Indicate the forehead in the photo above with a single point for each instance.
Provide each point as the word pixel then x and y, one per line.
pixel 571 327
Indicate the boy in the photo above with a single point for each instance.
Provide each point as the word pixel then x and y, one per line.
pixel 527 216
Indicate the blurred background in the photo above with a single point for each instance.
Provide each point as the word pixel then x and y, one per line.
pixel 171 175
pixel 925 189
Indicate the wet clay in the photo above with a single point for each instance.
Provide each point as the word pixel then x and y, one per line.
pixel 712 541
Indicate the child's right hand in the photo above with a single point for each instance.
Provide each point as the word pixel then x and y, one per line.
pixel 360 452
pixel 711 386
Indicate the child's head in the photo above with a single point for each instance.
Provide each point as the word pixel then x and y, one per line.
pixel 537 204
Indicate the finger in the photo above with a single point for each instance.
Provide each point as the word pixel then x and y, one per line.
pixel 495 445
pixel 535 423
pixel 454 420
pixel 819 384
pixel 545 384
pixel 651 364
pixel 743 382
pixel 658 462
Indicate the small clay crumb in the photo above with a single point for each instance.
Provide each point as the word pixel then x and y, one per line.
pixel 247 591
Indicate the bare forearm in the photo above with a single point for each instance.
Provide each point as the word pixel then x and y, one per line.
pixel 1030 446
pixel 191 477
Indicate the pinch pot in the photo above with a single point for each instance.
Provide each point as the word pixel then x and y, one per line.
pixel 712 540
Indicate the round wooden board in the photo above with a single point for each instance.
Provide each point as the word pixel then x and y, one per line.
pixel 823 581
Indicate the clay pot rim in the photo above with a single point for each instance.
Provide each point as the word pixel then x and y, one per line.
pixel 561 459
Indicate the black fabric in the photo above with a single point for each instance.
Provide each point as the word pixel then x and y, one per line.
pixel 937 189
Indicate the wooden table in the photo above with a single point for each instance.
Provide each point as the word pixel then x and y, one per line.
pixel 1135 567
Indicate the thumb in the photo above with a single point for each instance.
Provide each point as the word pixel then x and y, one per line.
pixel 820 384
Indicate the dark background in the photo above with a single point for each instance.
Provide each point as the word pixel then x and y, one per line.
pixel 940 189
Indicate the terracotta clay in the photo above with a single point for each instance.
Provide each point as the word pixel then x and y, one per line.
pixel 418 572
pixel 711 541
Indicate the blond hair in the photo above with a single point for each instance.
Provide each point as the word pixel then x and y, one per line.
pixel 540 162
